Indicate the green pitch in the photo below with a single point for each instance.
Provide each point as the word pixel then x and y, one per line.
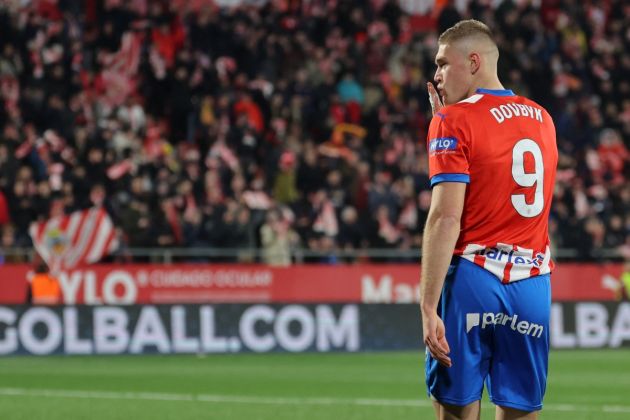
pixel 582 385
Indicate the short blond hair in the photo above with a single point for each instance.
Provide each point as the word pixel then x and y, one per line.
pixel 466 29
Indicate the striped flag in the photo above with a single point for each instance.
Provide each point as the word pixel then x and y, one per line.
pixel 67 241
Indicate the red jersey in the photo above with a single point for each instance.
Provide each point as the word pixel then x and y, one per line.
pixel 504 147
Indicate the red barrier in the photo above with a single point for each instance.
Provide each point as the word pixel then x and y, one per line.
pixel 186 283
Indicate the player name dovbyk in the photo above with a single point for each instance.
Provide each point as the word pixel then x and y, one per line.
pixel 511 110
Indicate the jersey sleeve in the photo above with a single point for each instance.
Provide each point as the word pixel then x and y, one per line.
pixel 449 150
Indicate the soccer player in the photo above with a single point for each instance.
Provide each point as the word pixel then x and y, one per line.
pixel 485 291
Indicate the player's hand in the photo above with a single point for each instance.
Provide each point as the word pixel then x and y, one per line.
pixel 435 339
pixel 434 99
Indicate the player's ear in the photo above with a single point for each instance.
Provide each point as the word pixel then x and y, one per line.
pixel 475 62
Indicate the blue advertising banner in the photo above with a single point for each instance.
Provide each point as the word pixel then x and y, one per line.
pixel 224 328
pixel 260 328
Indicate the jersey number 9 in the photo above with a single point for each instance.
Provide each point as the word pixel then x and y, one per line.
pixel 525 179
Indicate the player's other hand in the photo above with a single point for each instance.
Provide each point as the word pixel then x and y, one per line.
pixel 435 339
pixel 434 99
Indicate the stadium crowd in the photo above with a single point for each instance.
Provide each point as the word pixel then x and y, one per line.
pixel 282 125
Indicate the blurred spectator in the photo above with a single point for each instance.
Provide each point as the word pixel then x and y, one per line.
pixel 277 239
pixel 285 184
pixel 625 280
pixel 45 289
pixel 243 235
pixel 8 244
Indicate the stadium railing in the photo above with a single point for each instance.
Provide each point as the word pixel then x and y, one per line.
pixel 299 255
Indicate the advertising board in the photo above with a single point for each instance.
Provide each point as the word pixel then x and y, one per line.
pixel 224 328
pixel 211 283
pixel 261 328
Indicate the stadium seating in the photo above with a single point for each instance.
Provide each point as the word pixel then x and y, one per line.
pixel 303 127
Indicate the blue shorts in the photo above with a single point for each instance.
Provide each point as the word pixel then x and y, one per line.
pixel 498 333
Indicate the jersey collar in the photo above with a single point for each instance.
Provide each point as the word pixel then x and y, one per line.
pixel 496 92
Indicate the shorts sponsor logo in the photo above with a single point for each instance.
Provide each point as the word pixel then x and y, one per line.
pixel 501 319
pixel 472 320
pixel 512 257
